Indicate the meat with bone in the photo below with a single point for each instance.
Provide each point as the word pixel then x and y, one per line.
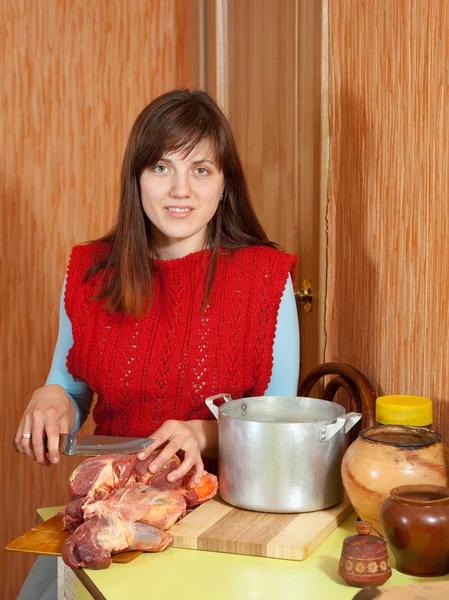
pixel 140 502
pixel 94 479
pixel 116 504
pixel 95 540
pixel 98 476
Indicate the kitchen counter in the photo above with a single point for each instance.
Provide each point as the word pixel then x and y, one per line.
pixel 177 574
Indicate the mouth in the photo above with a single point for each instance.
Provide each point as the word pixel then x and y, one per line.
pixel 179 212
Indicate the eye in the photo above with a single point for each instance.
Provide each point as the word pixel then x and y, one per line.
pixel 160 168
pixel 201 171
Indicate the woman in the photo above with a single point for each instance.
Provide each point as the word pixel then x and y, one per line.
pixel 184 298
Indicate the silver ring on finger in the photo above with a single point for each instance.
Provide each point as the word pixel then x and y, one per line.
pixel 26 436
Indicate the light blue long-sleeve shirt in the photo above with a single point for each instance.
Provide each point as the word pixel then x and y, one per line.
pixel 284 376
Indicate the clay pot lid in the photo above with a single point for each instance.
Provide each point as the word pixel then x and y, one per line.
pixel 364 537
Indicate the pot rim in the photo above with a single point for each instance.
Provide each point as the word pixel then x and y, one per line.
pixel 432 435
pixel 398 492
pixel 320 423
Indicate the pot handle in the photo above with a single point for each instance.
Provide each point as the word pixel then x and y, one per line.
pixel 327 432
pixel 210 403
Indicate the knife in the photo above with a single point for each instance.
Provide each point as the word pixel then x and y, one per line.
pixel 71 444
pixel 96 445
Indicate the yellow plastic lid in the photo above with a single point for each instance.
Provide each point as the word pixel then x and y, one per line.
pixel 404 410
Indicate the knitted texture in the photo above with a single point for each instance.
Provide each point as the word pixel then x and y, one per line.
pixel 164 365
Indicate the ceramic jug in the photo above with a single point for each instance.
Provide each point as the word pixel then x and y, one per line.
pixel 415 519
pixel 386 456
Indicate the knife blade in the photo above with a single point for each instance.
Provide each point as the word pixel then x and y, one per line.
pixel 97 445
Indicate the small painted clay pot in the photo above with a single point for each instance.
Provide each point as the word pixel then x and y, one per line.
pixel 364 558
pixel 386 456
pixel 415 519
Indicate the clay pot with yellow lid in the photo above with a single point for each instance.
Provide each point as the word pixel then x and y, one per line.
pixel 387 456
pixel 400 409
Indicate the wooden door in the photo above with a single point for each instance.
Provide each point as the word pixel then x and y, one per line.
pixel 266 64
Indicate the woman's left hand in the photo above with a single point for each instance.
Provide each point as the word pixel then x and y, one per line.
pixel 176 435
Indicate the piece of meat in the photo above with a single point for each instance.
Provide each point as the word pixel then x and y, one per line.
pixel 118 505
pixel 94 541
pixel 207 488
pixel 73 514
pixel 158 479
pixel 98 476
pixel 140 502
pixel 92 480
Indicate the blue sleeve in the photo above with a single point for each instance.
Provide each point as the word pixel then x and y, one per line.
pixel 78 392
pixel 285 374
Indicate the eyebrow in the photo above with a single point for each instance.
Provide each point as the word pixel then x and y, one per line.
pixel 193 162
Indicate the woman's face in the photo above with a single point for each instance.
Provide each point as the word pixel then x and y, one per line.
pixel 180 195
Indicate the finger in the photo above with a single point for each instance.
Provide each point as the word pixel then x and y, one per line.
pixel 163 458
pixel 160 437
pixel 199 471
pixel 25 445
pixel 18 437
pixel 192 459
pixel 38 439
pixel 146 452
pixel 53 431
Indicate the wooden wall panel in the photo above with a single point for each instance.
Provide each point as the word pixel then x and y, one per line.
pixel 74 76
pixel 388 256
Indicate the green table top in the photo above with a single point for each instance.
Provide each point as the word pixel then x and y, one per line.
pixel 178 574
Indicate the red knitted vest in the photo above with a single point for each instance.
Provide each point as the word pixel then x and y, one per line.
pixel 164 365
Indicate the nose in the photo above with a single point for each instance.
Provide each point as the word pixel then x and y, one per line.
pixel 180 186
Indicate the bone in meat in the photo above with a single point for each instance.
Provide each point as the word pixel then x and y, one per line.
pixel 140 502
pixel 95 540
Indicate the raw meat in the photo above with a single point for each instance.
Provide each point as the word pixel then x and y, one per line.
pixel 143 503
pixel 96 477
pixel 118 505
pixel 95 540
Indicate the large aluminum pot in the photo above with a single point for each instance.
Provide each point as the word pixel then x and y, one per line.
pixel 281 453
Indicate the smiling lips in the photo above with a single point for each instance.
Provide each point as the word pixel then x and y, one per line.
pixel 179 212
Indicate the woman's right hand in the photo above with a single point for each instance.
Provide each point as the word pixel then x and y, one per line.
pixel 49 413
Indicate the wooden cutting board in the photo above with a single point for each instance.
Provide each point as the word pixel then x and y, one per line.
pixel 218 527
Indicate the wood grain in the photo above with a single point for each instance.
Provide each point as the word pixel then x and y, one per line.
pixel 74 76
pixel 272 64
pixel 218 527
pixel 388 253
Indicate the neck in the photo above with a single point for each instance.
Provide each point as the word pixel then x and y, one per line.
pixel 171 249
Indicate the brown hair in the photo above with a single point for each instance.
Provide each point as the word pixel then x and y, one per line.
pixel 176 120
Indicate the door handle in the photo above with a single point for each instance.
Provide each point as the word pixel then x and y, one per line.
pixel 305 295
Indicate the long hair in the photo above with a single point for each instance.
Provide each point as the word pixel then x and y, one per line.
pixel 175 121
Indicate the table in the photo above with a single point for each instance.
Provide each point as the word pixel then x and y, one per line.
pixel 178 574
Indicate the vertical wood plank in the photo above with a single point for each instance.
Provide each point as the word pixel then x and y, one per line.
pixel 389 182
pixel 275 106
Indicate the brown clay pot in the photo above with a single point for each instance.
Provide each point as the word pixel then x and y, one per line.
pixel 386 456
pixel 415 519
pixel 364 558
